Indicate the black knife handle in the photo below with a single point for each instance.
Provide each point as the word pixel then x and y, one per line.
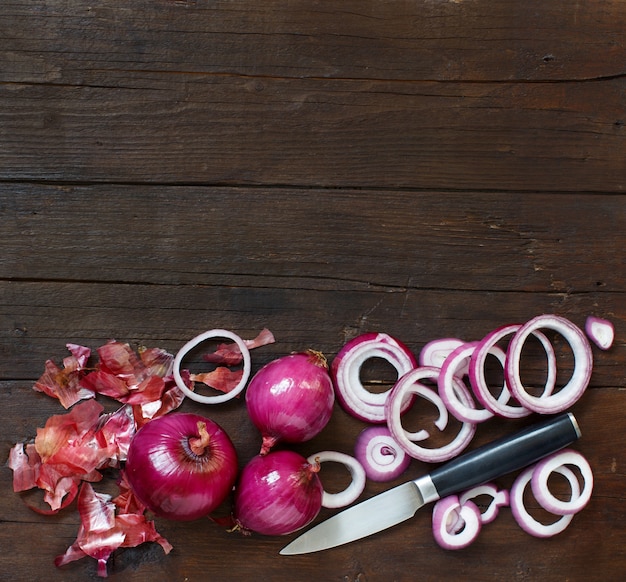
pixel 506 454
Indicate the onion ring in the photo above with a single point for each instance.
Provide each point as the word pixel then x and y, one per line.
pixel 192 343
pixel 541 491
pixel 381 456
pixel 346 367
pixel 486 346
pixel 500 498
pixel 408 385
pixel 436 351
pixel 448 388
pixel 455 525
pixel 357 472
pixel 577 384
pixel 526 521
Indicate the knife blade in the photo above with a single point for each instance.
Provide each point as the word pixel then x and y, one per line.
pixel 400 503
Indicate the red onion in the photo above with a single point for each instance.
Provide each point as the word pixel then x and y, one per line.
pixel 381 456
pixel 352 492
pixel 447 513
pixel 277 494
pixel 600 331
pixel 181 466
pixel 550 403
pixel 291 398
pixel 346 368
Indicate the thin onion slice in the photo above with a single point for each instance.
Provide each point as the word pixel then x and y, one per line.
pixel 436 351
pixel 526 521
pixel 219 398
pixel 346 368
pixel 381 456
pixel 577 384
pixel 352 492
pixel 448 388
pixel 505 405
pixel 448 514
pixel 408 385
pixel 542 493
pixel 600 331
pixel 499 498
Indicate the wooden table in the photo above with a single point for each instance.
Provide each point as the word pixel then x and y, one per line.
pixel 323 169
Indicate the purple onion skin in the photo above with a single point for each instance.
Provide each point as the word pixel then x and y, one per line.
pixel 277 494
pixel 173 481
pixel 291 399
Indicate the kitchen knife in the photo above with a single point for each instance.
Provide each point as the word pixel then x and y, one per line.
pixel 483 464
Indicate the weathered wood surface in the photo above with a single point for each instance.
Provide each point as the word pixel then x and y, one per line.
pixel 427 169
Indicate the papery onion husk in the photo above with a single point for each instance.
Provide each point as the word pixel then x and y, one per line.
pixel 291 399
pixel 277 493
pixel 181 466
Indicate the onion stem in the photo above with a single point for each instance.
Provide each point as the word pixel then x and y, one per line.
pixel 198 445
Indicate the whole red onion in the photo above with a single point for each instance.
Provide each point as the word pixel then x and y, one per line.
pixel 277 493
pixel 181 466
pixel 291 398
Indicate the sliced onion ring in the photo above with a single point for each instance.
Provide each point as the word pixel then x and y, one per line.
pixel 436 351
pixel 352 492
pixel 541 491
pixel 526 521
pixel 409 385
pixel 600 331
pixel 448 514
pixel 448 388
pixel 577 384
pixel 500 498
pixel 381 456
pixel 192 343
pixel 486 346
pixel 346 368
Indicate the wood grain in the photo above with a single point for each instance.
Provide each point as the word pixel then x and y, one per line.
pixel 323 169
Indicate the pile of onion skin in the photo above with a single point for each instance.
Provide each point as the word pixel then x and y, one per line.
pixel 160 454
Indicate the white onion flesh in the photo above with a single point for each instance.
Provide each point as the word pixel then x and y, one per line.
pixel 600 331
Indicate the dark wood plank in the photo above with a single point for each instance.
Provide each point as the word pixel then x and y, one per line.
pixel 329 239
pixel 440 41
pixel 316 132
